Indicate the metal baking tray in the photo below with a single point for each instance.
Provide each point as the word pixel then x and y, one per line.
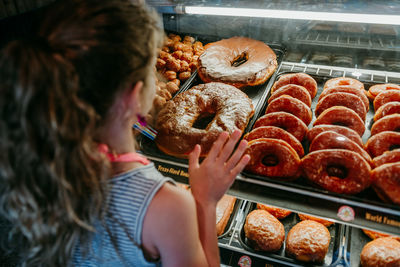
pixel 229 225
pixel 256 93
pixel 368 196
pixel 333 256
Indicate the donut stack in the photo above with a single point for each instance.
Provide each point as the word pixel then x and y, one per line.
pixel 384 143
pixel 275 141
pixel 337 161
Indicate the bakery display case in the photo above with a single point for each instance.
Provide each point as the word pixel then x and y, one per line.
pixel 325 40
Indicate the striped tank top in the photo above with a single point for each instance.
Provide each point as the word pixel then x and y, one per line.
pixel 119 242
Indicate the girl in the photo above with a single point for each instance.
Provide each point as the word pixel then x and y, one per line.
pixel 81 84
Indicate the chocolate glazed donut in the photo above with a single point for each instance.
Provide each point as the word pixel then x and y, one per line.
pixel 337 170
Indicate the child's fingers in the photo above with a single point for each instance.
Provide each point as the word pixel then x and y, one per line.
pixel 240 166
pixel 237 155
pixel 194 156
pixel 229 146
pixel 217 146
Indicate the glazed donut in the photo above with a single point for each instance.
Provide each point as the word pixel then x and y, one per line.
pixel 222 62
pixel 349 90
pixel 369 95
pixel 386 97
pixel 387 157
pixel 349 133
pixel 341 116
pixel 324 222
pixel 383 251
pixel 199 115
pixel 379 88
pixel 386 182
pixel 264 231
pixel 388 123
pixel 274 211
pixel 374 235
pixel 337 170
pixel 341 99
pixel 273 158
pixel 387 109
pixel 286 121
pixel 301 79
pixel 344 81
pixel 308 241
pixel 293 90
pixel 382 142
pixel 290 105
pixel 333 140
pixel 275 133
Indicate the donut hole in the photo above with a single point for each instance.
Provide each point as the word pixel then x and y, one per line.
pixel 337 171
pixel 239 60
pixel 344 83
pixel 203 121
pixel 270 160
pixel 394 146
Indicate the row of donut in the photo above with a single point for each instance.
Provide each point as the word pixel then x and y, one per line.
pixel 337 160
pixel 309 240
pixel 384 142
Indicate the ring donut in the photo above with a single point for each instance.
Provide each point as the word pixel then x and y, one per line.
pixel 295 91
pixel 341 116
pixel 301 79
pixel 349 90
pixel 387 109
pixel 342 99
pixel 337 170
pixel 382 142
pixel 273 158
pixel 199 115
pixel 387 157
pixel 332 140
pixel 388 123
pixel 349 133
pixel 274 211
pixel 275 133
pixel 222 61
pixel 344 81
pixel 386 182
pixel 386 97
pixel 379 88
pixel 290 105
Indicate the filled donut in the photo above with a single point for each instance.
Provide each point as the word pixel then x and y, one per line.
pixel 349 133
pixel 264 231
pixel 379 88
pixel 308 241
pixel 383 251
pixel 344 81
pixel 382 142
pixel 337 170
pixel 341 116
pixel 285 121
pixel 388 123
pixel 274 211
pixel 238 61
pixel 301 79
pixel 386 182
pixel 387 109
pixel 386 97
pixel 294 90
pixel 348 90
pixel 350 101
pixel 199 115
pixel 290 105
pixel 273 158
pixel 324 222
pixel 387 157
pixel 333 140
pixel 275 133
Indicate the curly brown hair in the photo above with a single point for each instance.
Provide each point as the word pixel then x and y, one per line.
pixel 55 91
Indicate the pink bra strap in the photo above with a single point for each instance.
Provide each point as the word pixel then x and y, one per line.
pixel 127 157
